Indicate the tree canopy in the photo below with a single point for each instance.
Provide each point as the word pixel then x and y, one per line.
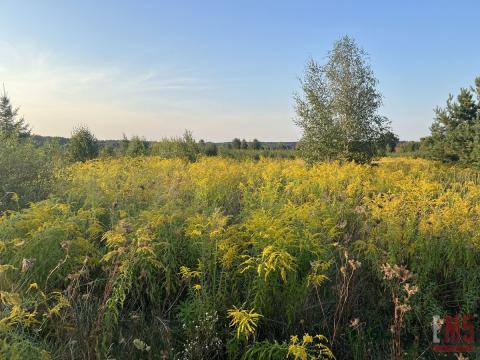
pixel 337 109
pixel 455 132
pixel 11 125
pixel 83 145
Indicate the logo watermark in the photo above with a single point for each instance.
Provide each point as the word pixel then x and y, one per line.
pixel 453 333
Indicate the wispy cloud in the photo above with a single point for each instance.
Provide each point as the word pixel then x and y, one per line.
pixel 56 95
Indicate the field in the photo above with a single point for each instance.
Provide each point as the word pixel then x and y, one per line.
pixel 220 258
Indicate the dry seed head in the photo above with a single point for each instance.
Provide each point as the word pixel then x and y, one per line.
pixel 354 323
pixel 410 290
pixel 27 264
pixel 354 264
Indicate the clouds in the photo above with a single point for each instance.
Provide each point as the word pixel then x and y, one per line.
pixel 57 93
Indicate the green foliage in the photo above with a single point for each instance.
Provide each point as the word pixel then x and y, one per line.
pixel 387 143
pixel 136 147
pixel 17 347
pixel 455 132
pixel 236 143
pixel 211 149
pixel 408 147
pixel 107 151
pixel 26 166
pixel 337 110
pixel 266 350
pixel 11 126
pixel 256 145
pixel 244 144
pixel 251 154
pixel 136 257
pixel 83 145
pixel 185 147
pixel 26 173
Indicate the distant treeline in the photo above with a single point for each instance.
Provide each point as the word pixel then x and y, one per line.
pixel 29 162
pixel 253 145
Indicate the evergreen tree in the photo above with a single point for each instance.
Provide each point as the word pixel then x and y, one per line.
pixel 455 129
pixel 11 125
pixel 338 108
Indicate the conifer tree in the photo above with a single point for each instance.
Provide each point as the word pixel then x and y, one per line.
pixel 455 129
pixel 11 125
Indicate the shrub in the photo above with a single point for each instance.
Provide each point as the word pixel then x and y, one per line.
pixel 26 173
pixel 136 147
pixel 83 145
pixel 184 147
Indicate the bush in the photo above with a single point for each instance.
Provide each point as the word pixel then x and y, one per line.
pixel 26 173
pixel 136 147
pixel 210 149
pixel 184 148
pixel 83 145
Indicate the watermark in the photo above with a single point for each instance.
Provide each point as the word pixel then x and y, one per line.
pixel 454 333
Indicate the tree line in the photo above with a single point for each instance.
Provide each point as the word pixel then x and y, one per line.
pixel 337 109
pixel 29 162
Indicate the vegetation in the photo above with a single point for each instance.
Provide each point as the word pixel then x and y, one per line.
pixel 337 109
pixel 25 175
pixel 137 147
pixel 456 130
pixel 26 170
pixel 256 145
pixel 83 145
pixel 236 143
pixel 11 126
pixel 185 148
pixel 143 257
pixel 178 249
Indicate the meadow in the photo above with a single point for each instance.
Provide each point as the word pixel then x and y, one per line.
pixel 151 258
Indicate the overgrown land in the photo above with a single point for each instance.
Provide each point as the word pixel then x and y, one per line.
pixel 185 249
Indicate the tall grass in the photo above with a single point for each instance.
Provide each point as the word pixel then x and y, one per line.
pixel 163 258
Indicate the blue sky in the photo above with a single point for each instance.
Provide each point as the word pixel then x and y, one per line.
pixel 223 69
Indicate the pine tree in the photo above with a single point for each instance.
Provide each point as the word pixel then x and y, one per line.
pixel 11 126
pixel 454 129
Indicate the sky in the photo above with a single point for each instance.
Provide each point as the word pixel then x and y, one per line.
pixel 223 69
